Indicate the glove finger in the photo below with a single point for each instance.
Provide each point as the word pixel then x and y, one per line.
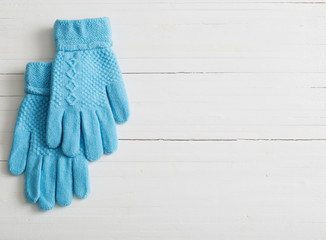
pixel 81 177
pixel 118 100
pixel 33 177
pixel 54 127
pixel 64 191
pixel 19 152
pixel 92 135
pixel 108 131
pixel 48 181
pixel 71 133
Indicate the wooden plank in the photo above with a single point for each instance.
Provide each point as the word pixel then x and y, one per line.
pixel 179 41
pixel 210 106
pixel 240 30
pixel 177 190
pixel 302 61
pixel 183 3
pixel 227 132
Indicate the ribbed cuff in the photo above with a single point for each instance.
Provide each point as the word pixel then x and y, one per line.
pixel 82 34
pixel 38 78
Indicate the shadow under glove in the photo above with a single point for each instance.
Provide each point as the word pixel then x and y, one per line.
pixel 49 175
pixel 87 92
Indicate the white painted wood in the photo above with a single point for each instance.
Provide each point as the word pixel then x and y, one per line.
pixel 174 31
pixel 227 134
pixel 210 106
pixel 185 190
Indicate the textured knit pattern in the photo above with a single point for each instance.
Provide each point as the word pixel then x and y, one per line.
pixel 49 174
pixel 32 118
pixel 87 92
pixel 58 71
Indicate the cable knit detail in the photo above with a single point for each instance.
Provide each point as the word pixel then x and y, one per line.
pixel 50 175
pixel 72 76
pixel 87 93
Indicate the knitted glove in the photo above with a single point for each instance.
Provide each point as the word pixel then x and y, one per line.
pixel 49 174
pixel 87 92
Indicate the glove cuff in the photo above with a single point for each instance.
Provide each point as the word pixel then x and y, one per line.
pixel 82 34
pixel 38 78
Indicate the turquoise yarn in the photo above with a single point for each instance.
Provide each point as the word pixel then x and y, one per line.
pixel 49 175
pixel 87 93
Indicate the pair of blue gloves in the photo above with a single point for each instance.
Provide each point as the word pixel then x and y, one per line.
pixel 68 115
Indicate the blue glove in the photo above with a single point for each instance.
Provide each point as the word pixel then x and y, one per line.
pixel 87 92
pixel 49 175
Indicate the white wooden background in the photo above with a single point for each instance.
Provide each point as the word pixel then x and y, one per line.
pixel 227 138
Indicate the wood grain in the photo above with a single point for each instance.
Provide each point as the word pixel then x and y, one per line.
pixel 227 134
pixel 185 190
